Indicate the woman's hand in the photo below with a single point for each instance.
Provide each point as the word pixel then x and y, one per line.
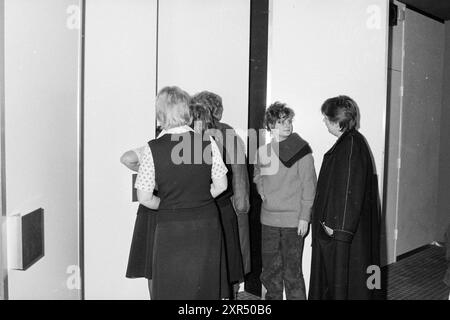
pixel 148 199
pixel 328 230
pixel 218 185
pixel 302 227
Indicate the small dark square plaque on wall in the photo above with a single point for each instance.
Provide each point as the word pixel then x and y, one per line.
pixel 32 237
pixel 25 239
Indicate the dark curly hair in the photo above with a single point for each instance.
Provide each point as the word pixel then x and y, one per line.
pixel 201 113
pixel 342 110
pixel 211 101
pixel 277 111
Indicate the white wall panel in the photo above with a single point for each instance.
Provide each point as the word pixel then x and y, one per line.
pixel 120 82
pixel 3 236
pixel 204 45
pixel 42 51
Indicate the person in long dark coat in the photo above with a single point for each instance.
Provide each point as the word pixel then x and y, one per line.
pixel 346 214
pixel 234 202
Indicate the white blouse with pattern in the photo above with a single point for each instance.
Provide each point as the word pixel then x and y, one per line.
pixel 145 180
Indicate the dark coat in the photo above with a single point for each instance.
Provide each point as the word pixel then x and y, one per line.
pixel 447 256
pixel 346 201
pixel 240 187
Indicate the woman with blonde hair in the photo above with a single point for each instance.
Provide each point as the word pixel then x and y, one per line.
pixel 189 173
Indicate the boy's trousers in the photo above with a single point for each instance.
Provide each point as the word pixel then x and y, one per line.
pixel 282 250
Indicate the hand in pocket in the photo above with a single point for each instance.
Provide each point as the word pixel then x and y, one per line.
pixel 328 230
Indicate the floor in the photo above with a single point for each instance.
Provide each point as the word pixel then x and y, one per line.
pixel 417 277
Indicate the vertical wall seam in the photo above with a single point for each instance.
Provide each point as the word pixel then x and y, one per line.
pixel 157 56
pixel 81 150
pixel 3 238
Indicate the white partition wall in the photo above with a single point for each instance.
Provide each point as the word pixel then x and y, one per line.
pixel 3 252
pixel 204 45
pixel 120 85
pixel 320 49
pixel 42 52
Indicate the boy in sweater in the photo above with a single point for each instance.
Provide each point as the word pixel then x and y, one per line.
pixel 287 196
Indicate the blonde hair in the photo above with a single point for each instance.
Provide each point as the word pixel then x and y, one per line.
pixel 172 107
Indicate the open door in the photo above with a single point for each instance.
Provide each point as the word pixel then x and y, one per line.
pixel 423 61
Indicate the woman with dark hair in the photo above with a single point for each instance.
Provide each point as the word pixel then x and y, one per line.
pixel 204 123
pixel 234 202
pixel 346 215
pixel 201 118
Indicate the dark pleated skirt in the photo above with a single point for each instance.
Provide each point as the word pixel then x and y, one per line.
pixel 232 244
pixel 141 251
pixel 188 260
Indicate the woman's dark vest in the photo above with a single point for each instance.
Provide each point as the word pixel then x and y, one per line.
pixel 179 160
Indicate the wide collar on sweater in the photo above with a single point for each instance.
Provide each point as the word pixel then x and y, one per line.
pixel 290 150
pixel 176 130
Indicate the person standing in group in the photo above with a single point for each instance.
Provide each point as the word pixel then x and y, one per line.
pixel 203 123
pixel 187 259
pixel 141 250
pixel 234 203
pixel 346 215
pixel 286 184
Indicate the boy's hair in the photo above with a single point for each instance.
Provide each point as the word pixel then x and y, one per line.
pixel 277 111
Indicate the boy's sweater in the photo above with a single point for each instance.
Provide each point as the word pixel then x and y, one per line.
pixel 287 193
